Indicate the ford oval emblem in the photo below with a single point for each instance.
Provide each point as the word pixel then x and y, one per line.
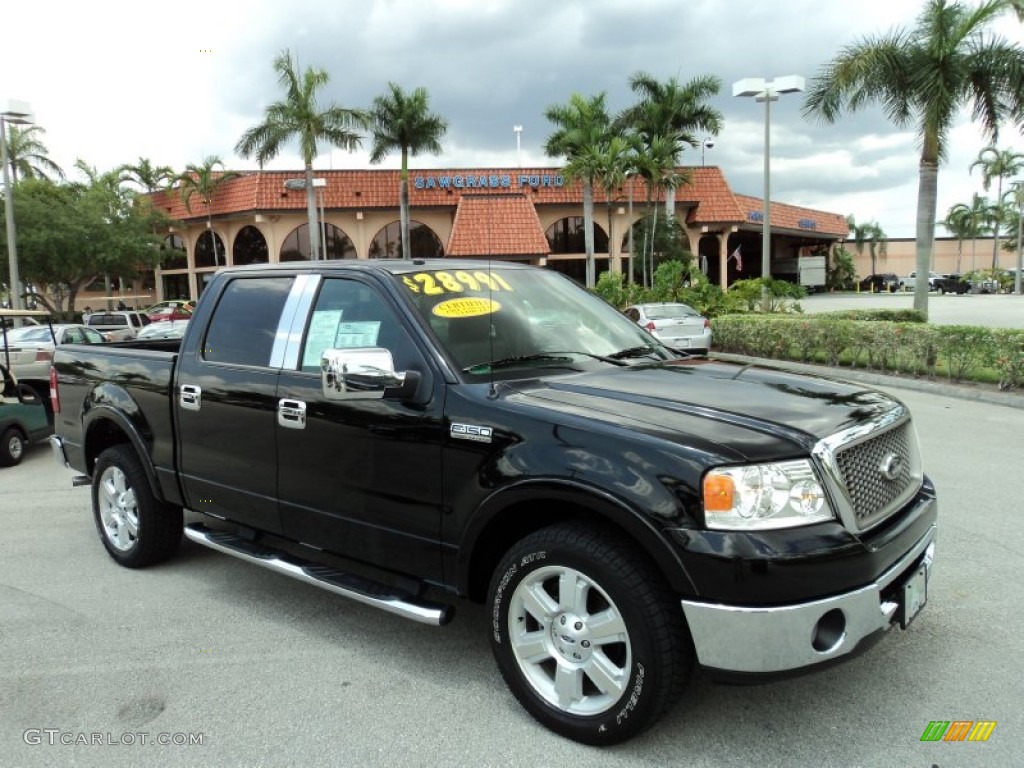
pixel 891 466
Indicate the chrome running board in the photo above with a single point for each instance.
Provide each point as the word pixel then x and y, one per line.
pixel 332 579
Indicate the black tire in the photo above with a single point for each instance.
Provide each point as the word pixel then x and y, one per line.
pixel 621 682
pixel 12 447
pixel 136 528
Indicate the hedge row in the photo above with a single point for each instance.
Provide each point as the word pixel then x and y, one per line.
pixel 956 352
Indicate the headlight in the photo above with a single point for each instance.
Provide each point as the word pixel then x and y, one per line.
pixel 760 496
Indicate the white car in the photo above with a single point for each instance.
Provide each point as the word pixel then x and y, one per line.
pixel 30 348
pixel 676 325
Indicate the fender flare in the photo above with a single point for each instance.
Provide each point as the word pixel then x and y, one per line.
pixel 602 504
pixel 105 413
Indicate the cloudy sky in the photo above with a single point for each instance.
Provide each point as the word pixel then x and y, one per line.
pixel 114 81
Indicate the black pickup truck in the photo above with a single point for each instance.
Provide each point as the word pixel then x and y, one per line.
pixel 409 433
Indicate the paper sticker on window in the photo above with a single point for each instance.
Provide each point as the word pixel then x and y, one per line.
pixel 361 334
pixel 467 307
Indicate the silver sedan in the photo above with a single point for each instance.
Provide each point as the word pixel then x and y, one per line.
pixel 674 324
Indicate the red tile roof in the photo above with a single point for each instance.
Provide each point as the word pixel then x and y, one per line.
pixel 499 225
pixel 785 216
pixel 712 201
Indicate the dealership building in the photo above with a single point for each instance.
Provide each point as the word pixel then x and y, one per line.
pixel 530 215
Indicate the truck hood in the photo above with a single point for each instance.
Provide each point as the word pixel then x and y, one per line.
pixel 746 412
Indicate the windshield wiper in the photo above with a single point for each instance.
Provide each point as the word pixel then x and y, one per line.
pixel 507 362
pixel 642 351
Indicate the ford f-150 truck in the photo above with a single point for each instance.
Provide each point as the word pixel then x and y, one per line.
pixel 412 433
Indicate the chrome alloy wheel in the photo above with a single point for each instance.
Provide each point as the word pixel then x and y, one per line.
pixel 119 512
pixel 569 640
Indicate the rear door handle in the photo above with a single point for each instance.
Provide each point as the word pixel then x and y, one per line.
pixel 190 397
pixel 291 414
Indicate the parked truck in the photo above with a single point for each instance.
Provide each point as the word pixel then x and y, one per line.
pixel 410 434
pixel 809 271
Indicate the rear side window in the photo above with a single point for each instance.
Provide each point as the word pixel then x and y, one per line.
pixel 245 321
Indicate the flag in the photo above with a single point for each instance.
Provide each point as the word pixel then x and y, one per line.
pixel 739 259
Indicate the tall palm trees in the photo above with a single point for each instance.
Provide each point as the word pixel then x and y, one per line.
pixel 675 112
pixel 997 164
pixel 923 77
pixel 968 222
pixel 871 234
pixel 582 128
pixel 298 115
pixel 147 176
pixel 403 121
pixel 26 154
pixel 202 181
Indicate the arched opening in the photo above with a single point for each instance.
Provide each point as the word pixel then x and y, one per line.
pixel 250 247
pixel 567 236
pixel 425 244
pixel 296 246
pixel 204 251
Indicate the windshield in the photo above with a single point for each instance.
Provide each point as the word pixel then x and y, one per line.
pixel 502 319
pixel 30 333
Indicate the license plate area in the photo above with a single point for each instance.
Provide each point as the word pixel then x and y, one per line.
pixel 913 595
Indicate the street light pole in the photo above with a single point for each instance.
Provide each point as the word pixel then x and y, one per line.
pixel 767 91
pixel 1018 188
pixel 17 113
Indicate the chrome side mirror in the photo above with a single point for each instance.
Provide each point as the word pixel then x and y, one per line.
pixel 363 373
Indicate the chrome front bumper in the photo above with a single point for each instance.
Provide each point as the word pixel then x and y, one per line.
pixel 779 639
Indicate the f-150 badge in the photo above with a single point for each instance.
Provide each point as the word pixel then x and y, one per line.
pixel 471 432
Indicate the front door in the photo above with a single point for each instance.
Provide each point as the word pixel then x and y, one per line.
pixel 361 477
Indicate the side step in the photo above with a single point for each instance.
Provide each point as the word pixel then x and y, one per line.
pixel 325 577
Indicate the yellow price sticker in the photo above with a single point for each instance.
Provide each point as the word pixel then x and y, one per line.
pixel 438 283
pixel 466 307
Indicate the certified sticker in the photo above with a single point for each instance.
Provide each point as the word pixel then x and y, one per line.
pixel 468 306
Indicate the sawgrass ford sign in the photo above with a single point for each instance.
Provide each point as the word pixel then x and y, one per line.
pixel 488 181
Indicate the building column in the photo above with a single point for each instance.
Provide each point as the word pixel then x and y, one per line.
pixel 723 260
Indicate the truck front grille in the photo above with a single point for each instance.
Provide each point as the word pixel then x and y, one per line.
pixel 875 468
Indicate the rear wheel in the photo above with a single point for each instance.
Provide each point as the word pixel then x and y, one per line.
pixel 12 447
pixel 136 528
pixel 587 635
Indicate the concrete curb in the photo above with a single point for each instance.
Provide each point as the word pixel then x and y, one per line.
pixel 978 392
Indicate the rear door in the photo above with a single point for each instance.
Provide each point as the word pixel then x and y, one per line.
pixel 225 401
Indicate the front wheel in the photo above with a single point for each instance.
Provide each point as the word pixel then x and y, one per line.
pixel 136 528
pixel 587 635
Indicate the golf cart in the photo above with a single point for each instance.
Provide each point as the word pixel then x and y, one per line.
pixel 26 415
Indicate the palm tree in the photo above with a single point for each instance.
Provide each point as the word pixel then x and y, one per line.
pixel 968 221
pixel 202 181
pixel 26 154
pixel 148 176
pixel 871 234
pixel 403 121
pixel 924 77
pixel 299 115
pixel 616 159
pixel 583 126
pixel 674 111
pixel 997 164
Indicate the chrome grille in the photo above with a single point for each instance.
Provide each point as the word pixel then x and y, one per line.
pixel 863 467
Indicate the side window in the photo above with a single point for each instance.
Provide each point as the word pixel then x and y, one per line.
pixel 245 321
pixel 73 336
pixel 350 314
